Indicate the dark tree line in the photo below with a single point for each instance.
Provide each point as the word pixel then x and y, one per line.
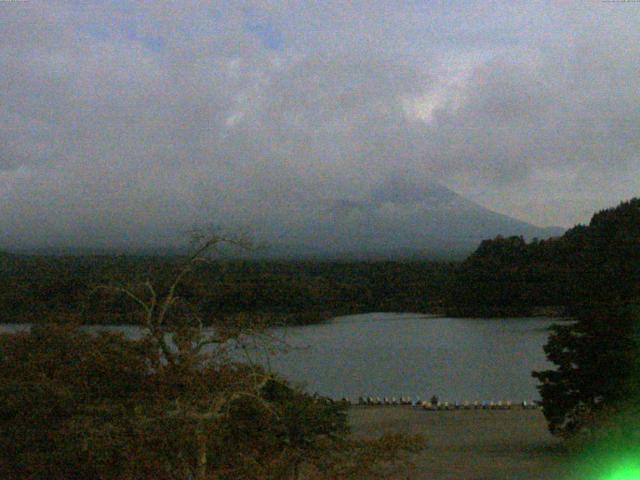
pixel 33 288
pixel 596 263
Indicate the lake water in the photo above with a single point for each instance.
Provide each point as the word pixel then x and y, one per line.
pixel 383 354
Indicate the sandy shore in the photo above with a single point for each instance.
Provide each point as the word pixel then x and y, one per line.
pixel 471 445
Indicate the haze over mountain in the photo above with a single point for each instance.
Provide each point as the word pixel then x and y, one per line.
pixel 398 218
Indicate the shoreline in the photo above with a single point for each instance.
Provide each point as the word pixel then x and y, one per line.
pixel 312 318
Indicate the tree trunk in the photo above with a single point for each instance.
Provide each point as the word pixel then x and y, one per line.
pixel 201 466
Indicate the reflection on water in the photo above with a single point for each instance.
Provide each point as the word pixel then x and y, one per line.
pixel 383 354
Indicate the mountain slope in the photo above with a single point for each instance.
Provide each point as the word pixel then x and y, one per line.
pixel 396 218
pixel 400 218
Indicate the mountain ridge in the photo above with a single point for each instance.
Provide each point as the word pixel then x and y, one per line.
pixel 397 218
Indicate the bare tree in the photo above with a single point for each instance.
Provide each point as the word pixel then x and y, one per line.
pixel 180 336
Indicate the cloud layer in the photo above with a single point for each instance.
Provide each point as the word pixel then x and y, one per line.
pixel 122 123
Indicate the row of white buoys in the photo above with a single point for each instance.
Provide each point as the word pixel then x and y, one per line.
pixel 437 405
pixel 385 401
pixel 476 405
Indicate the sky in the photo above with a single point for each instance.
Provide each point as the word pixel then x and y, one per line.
pixel 135 120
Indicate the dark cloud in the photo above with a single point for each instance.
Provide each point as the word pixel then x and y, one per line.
pixel 121 122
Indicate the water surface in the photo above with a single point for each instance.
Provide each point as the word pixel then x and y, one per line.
pixel 411 355
pixel 385 354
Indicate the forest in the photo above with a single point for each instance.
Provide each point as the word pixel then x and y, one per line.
pixel 36 288
pixel 503 277
pixel 598 263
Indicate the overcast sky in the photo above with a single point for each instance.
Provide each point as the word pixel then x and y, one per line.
pixel 121 119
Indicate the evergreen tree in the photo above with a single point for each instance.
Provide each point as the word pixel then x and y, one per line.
pixel 597 374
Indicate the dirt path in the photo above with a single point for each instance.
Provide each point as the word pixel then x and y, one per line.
pixel 471 445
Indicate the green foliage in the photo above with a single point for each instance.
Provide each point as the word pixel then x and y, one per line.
pixel 85 406
pixel 63 392
pixel 36 289
pixel 172 405
pixel 78 405
pixel 595 263
pixel 597 376
pixel 597 370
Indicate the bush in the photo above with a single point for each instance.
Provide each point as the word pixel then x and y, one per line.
pixel 79 405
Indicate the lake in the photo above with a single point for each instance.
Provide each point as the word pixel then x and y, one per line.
pixel 381 354
pixel 387 354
